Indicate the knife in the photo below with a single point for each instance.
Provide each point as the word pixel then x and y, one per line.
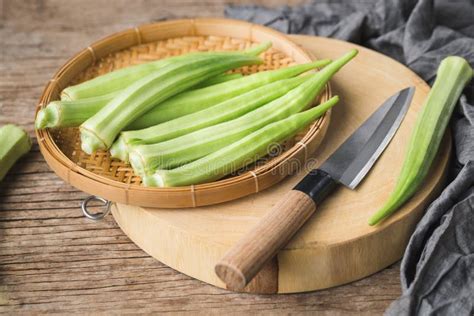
pixel 348 165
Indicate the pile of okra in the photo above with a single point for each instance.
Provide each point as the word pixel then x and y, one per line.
pixel 186 120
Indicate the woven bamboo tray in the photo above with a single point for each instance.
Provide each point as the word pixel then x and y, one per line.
pixel 114 180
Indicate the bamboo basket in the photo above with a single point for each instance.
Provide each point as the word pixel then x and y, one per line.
pixel 114 180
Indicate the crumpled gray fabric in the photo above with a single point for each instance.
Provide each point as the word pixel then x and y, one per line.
pixel 437 269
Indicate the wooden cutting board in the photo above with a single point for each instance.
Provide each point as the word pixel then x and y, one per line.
pixel 336 246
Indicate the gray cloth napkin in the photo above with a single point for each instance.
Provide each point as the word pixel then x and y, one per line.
pixel 437 270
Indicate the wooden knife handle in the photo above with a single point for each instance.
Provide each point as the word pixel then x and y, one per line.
pixel 274 231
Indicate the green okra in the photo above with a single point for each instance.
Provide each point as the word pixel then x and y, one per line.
pixel 99 131
pixel 218 79
pixel 222 112
pixel 145 159
pixel 453 75
pixel 120 79
pixel 239 154
pixel 71 113
pixel 112 82
pixel 197 100
pixel 74 112
pixel 14 143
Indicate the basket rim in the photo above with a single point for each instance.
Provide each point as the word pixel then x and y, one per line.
pixel 46 142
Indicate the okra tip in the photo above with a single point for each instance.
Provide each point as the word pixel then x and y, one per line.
pixel 329 103
pixel 321 63
pixel 260 48
pixel 384 212
pixel 348 56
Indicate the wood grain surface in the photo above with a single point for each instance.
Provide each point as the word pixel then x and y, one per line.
pixel 275 229
pixel 54 260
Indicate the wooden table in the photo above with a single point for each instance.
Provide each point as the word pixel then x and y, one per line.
pixel 52 259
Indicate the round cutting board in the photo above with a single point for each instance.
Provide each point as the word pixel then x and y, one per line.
pixel 336 246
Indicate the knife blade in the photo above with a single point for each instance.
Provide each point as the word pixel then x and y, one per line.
pixel 348 165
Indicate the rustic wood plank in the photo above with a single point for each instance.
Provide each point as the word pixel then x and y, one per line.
pixel 54 260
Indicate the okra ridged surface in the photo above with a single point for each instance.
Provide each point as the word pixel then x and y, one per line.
pixel 147 158
pixel 99 131
pixel 222 112
pixel 72 113
pixel 452 76
pixel 197 100
pixel 121 78
pixel 238 154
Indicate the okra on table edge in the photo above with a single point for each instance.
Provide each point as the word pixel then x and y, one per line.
pixel 14 143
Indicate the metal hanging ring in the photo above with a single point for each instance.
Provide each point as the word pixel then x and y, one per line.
pixel 95 216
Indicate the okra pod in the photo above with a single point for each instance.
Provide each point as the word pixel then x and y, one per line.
pixel 122 78
pixel 222 112
pixel 197 100
pixel 146 158
pixel 112 82
pixel 14 143
pixel 187 102
pixel 238 154
pixel 75 112
pixel 453 75
pixel 218 79
pixel 71 113
pixel 99 131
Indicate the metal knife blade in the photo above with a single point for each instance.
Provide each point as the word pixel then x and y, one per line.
pixel 347 165
pixel 351 161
